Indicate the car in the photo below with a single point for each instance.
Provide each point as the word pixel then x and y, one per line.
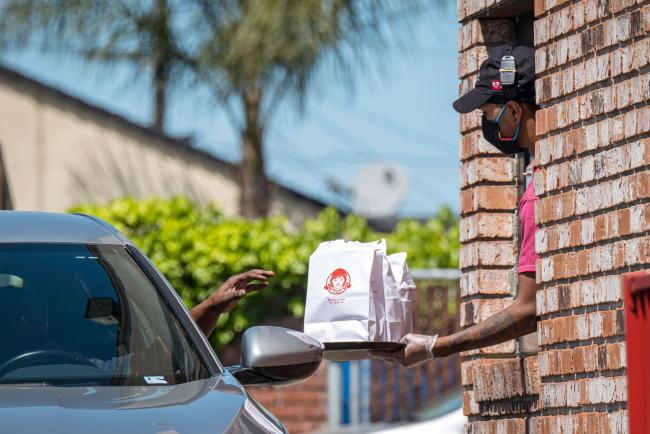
pixel 95 340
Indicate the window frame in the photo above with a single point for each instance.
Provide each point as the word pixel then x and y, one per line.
pixel 173 300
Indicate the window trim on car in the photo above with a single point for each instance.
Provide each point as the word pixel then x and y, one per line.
pixel 171 297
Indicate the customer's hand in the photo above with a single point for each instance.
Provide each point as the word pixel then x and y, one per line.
pixel 419 349
pixel 236 287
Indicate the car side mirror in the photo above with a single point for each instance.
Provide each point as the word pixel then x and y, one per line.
pixel 275 355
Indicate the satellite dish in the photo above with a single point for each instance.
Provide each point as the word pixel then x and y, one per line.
pixel 380 190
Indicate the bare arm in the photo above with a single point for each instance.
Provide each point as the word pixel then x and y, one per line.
pixel 518 319
pixel 206 313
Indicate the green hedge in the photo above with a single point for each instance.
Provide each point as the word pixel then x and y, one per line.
pixel 197 248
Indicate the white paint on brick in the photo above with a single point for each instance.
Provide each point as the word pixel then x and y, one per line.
pixel 563 236
pixel 617 126
pixel 595 325
pixel 473 405
pixel 541 240
pixel 633 251
pixel 600 390
pixel 558 148
pixel 607 257
pixel 583 327
pixel 547 269
pixel 619 191
pixel 540 303
pixel 613 285
pixel 572 395
pixel 576 294
pixel 591 136
pixel 582 205
pixel 618 422
pixel 620 389
pixel 637 219
pixel 543 363
pixel 552 300
pixel 587 228
pixel 623 354
pixel 586 165
pixel 588 296
pixel 551 178
pixel 554 394
pixel 643 120
pixel 603 133
pixel 630 124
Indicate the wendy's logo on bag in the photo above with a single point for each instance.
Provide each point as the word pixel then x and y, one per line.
pixel 338 281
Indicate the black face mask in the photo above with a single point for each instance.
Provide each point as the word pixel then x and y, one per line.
pixel 491 134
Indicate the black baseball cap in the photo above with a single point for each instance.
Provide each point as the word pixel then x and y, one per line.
pixel 489 87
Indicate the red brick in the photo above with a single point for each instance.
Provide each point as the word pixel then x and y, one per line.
pixel 487 225
pixel 531 375
pixel 475 311
pixel 488 198
pixel 498 379
pixel 487 169
pixel 470 407
pixel 486 281
pixel 487 253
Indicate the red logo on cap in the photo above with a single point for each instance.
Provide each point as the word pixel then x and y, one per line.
pixel 496 85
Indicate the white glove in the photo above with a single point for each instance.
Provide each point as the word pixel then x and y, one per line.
pixel 419 349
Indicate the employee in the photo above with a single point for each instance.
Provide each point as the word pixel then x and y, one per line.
pixel 505 95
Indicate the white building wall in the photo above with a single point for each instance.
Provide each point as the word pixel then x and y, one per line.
pixel 59 154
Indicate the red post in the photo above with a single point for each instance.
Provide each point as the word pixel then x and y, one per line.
pixel 637 330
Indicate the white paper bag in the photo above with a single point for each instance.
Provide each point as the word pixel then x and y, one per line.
pixel 392 302
pixel 345 297
pixel 405 291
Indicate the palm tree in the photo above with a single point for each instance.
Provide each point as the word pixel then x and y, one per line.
pixel 257 52
pixel 251 53
pixel 140 33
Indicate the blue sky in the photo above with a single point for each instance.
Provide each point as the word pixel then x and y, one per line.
pixel 401 115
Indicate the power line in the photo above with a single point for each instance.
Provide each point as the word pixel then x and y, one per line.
pixel 331 128
pixel 305 160
pixel 340 136
pixel 411 134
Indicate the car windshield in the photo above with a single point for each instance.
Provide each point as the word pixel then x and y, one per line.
pixel 87 314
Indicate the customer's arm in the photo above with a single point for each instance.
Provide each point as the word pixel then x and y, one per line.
pixel 227 297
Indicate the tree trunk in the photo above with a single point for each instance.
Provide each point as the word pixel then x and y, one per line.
pixel 160 87
pixel 5 196
pixel 255 189
pixel 161 66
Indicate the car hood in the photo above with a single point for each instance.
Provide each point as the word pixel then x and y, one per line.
pixel 215 405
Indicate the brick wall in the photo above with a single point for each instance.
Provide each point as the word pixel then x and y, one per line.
pixel 500 384
pixel 301 407
pixel 593 83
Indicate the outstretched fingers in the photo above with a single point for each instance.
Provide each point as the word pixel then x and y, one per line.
pixel 249 276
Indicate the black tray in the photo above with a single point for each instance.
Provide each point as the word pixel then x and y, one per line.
pixel 345 351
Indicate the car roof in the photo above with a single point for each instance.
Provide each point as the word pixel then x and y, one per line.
pixel 48 227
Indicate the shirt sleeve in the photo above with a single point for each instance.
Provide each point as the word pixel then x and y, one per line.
pixel 527 255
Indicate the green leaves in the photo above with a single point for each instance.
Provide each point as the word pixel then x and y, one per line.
pixel 197 248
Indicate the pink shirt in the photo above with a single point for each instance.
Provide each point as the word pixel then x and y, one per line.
pixel 527 255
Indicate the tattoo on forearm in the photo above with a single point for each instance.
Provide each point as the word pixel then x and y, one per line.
pixel 499 328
